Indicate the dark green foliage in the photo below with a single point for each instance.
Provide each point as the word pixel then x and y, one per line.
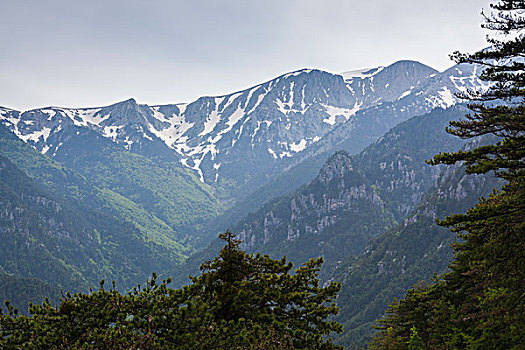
pixel 64 243
pixel 160 198
pixel 414 250
pixel 240 301
pixel 255 287
pixel 70 185
pixel 415 342
pixel 161 187
pixel 480 303
pixel 19 291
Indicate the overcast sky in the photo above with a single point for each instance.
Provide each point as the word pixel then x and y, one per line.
pixel 93 53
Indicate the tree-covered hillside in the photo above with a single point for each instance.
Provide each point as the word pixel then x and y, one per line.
pixel 241 301
pixel 159 186
pixel 162 200
pixel 412 251
pixel 353 198
pixel 479 304
pixel 63 242
pixel 19 291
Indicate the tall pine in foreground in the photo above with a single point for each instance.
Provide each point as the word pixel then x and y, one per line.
pixel 480 303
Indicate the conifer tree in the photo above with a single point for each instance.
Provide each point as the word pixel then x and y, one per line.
pixel 255 288
pixel 480 304
pixel 240 301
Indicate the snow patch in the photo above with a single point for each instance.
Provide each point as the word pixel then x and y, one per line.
pixel 447 97
pixel 181 107
pixel 49 112
pixel 235 117
pixel 195 167
pixel 361 73
pixel 231 99
pixel 13 121
pixel 405 94
pixel 111 132
pixel 296 73
pixel 298 147
pixel 285 107
pixel 158 115
pixel 35 136
pixel 334 112
pixel 211 122
pixel 471 82
pixel 259 100
pixel 84 117
pixel 272 152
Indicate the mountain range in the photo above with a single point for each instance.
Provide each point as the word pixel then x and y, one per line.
pixel 371 216
pixel 239 141
pixel 308 164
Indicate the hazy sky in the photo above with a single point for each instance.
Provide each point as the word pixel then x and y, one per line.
pixel 93 53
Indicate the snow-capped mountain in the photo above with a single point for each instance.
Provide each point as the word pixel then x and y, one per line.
pixel 379 85
pixel 438 90
pixel 243 139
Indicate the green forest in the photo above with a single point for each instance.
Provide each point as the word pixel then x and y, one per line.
pixel 480 303
pixel 240 301
pixel 415 242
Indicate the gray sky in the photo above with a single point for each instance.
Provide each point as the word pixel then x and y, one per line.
pixel 93 53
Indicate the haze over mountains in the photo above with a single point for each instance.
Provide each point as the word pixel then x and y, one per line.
pixel 307 164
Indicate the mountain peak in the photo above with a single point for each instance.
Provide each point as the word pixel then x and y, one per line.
pixel 6 109
pixel 129 101
pixel 410 65
pixel 126 106
pixel 299 72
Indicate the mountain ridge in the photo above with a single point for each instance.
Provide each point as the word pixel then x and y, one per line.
pixel 280 122
pixel 352 199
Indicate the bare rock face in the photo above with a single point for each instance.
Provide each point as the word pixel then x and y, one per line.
pixel 355 198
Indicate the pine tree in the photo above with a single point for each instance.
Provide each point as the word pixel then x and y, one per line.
pixel 255 288
pixel 240 301
pixel 481 302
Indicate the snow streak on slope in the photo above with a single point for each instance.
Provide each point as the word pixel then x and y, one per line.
pixel 176 128
pixel 258 129
pixel 272 116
